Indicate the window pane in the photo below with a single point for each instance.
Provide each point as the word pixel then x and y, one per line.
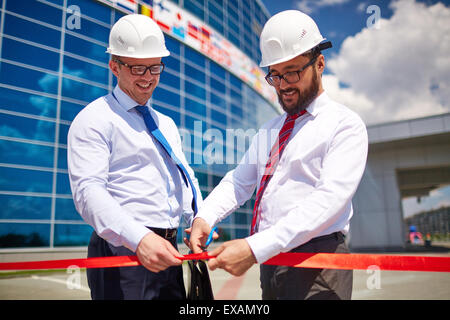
pixel 218 101
pixel 63 184
pixel 194 8
pixel 30 180
pixel 168 112
pixel 194 90
pixel 241 218
pixel 118 15
pixel 219 117
pixel 172 45
pixel 26 154
pixel 193 56
pixel 15 235
pixel 202 179
pixel 28 103
pixel 217 85
pixel 194 73
pixel 241 233
pixel 31 31
pixel 81 91
pixel 195 107
pixel 217 70
pixel 36 10
pixel 167 96
pixel 27 78
pixel 172 63
pixel 65 210
pixel 236 96
pixel 18 51
pixel 236 110
pixel 92 9
pixel 234 38
pixel 216 180
pixel 85 70
pixel 189 123
pixel 70 110
pixel 213 22
pixel 170 80
pixel 72 234
pixel 92 30
pixel 86 49
pixel 218 12
pixel 25 207
pixel 62 158
pixel 235 82
pixel 19 127
pixel 63 131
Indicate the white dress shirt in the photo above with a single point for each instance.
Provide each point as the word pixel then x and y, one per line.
pixel 121 178
pixel 311 190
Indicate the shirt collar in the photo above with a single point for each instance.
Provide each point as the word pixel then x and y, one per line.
pixel 125 101
pixel 315 106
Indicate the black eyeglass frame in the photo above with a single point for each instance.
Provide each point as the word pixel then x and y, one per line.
pixel 269 77
pixel 161 65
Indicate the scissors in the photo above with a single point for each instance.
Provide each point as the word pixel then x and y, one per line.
pixel 210 238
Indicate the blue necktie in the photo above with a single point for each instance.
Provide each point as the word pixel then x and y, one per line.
pixel 157 134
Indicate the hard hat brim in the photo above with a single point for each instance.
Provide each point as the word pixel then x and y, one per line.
pixel 321 45
pixel 161 54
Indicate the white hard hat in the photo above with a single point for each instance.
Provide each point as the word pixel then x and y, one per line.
pixel 288 34
pixel 137 36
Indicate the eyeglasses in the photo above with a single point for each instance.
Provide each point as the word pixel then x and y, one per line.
pixel 139 70
pixel 289 77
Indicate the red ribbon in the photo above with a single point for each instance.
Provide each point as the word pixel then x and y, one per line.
pixel 299 260
pixel 361 261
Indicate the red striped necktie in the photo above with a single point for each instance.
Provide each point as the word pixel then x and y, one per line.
pixel 274 157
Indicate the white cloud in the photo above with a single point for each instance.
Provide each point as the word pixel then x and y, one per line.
pixel 309 6
pixel 399 71
pixel 347 96
pixel 362 7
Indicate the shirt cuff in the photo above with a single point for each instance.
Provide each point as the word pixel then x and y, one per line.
pixel 132 234
pixel 263 246
pixel 209 218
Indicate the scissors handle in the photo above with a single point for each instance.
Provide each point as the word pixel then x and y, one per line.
pixel 210 237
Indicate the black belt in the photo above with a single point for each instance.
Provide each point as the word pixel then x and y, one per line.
pixel 165 233
pixel 334 235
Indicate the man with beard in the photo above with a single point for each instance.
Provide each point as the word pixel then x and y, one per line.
pixel 305 179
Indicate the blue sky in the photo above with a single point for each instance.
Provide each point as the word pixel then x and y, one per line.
pixel 338 19
pixel 398 71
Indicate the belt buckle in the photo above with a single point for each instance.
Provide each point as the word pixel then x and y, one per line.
pixel 169 234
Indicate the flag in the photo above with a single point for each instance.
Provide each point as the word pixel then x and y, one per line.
pixel 192 30
pixel 127 5
pixel 146 10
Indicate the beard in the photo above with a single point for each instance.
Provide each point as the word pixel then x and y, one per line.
pixel 304 99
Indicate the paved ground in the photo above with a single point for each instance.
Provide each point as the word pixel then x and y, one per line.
pixel 385 285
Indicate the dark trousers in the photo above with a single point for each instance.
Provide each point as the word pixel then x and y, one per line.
pixel 131 283
pixel 289 283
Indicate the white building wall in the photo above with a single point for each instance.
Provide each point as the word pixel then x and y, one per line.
pixel 377 222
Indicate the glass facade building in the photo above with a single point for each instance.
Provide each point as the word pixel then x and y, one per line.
pixel 53 63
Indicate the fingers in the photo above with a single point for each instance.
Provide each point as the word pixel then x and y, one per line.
pixel 187 243
pixel 215 263
pixel 199 234
pixel 186 240
pixel 233 256
pixel 156 253
pixel 164 260
pixel 196 245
